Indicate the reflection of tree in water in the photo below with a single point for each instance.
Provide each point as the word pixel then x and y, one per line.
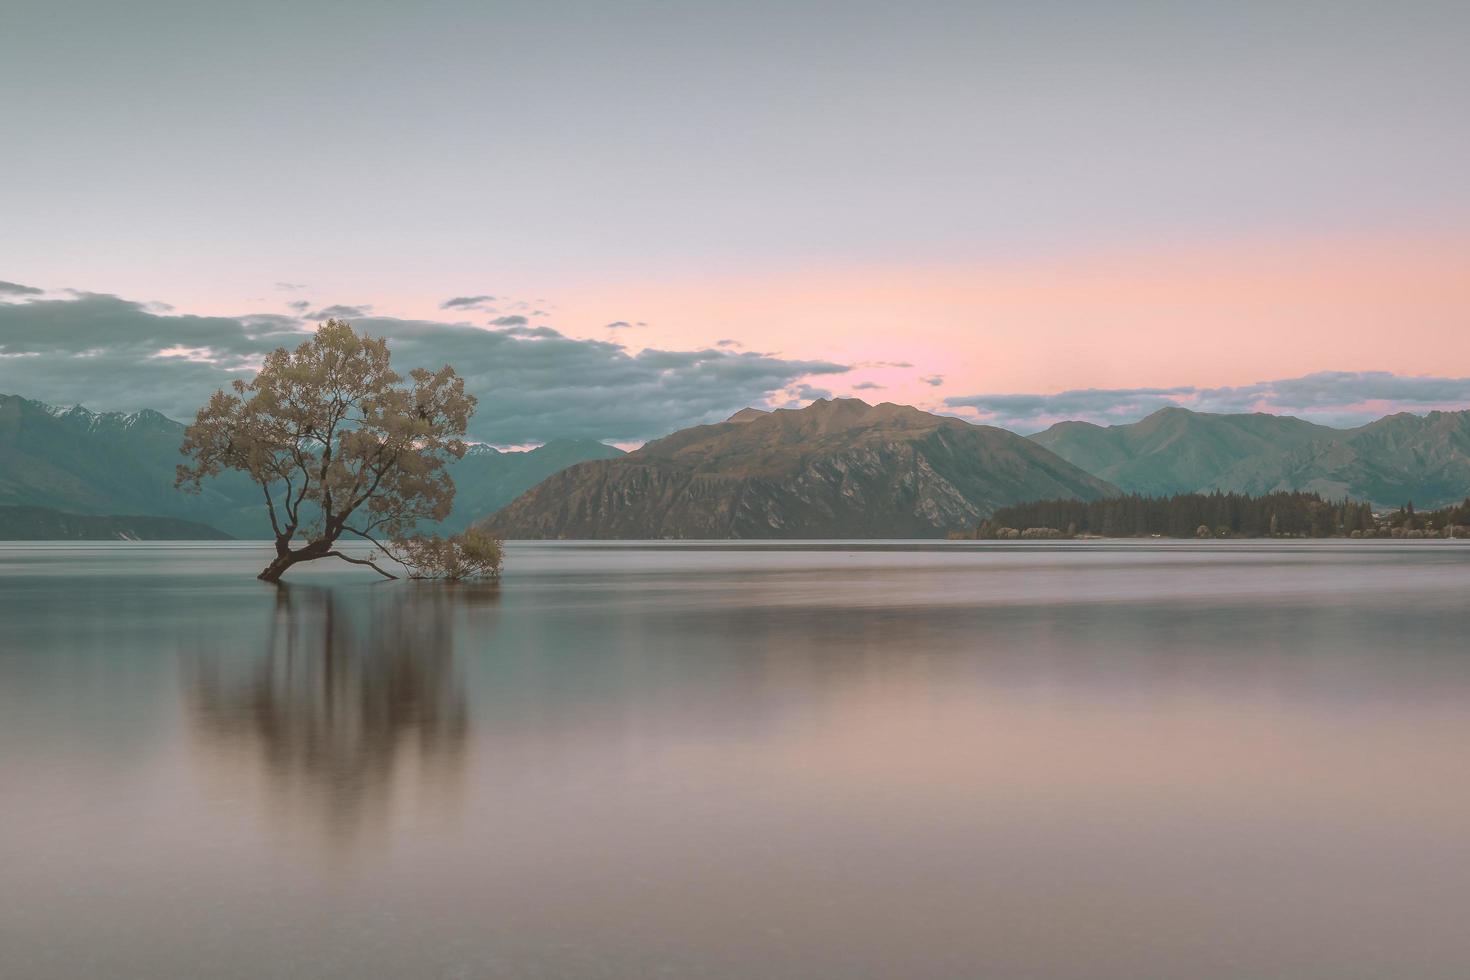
pixel 343 710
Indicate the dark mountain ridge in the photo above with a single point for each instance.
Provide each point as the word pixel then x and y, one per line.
pixel 838 468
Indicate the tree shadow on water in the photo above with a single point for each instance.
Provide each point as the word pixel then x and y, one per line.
pixel 353 715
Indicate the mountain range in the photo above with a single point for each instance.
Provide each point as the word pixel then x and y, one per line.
pixel 102 463
pixel 1402 457
pixel 46 524
pixel 837 468
pixel 86 462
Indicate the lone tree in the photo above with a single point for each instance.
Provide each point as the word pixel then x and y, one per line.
pixel 341 444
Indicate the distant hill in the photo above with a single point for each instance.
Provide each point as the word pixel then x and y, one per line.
pixel 1401 457
pixel 84 462
pixel 45 524
pixel 487 478
pixel 840 468
pixel 87 462
pixel 1175 450
pixel 1423 458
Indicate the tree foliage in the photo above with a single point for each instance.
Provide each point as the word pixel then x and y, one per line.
pixel 1188 515
pixel 1454 519
pixel 470 555
pixel 340 444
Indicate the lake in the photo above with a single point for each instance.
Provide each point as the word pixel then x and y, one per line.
pixel 908 760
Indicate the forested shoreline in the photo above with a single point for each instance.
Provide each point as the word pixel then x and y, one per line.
pixel 1219 515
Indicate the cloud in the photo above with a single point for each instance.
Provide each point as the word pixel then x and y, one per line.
pixel 933 380
pixel 16 289
pixel 1344 398
pixel 106 352
pixel 727 342
pixel 1336 390
pixel 537 333
pixel 511 320
pixel 299 305
pixel 1103 405
pixel 340 312
pixel 533 383
pixel 466 302
pixel 617 325
pixel 867 386
pixel 809 393
pixel 287 286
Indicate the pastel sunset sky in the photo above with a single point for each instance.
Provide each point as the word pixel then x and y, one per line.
pixel 622 218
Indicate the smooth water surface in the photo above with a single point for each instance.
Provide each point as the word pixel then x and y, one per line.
pixel 1090 760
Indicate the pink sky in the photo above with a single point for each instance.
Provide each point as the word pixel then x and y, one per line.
pixel 1202 315
pixel 1210 315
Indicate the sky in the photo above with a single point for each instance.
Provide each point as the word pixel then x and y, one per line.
pixel 653 214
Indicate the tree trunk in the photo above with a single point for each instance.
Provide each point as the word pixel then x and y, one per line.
pixel 277 568
pixel 285 557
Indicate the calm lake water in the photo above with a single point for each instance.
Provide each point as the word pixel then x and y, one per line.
pixel 1092 760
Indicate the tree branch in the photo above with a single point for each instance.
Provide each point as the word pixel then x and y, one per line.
pixel 368 537
pixel 305 480
pixel 377 479
pixel 271 508
pixel 290 507
pixel 359 561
